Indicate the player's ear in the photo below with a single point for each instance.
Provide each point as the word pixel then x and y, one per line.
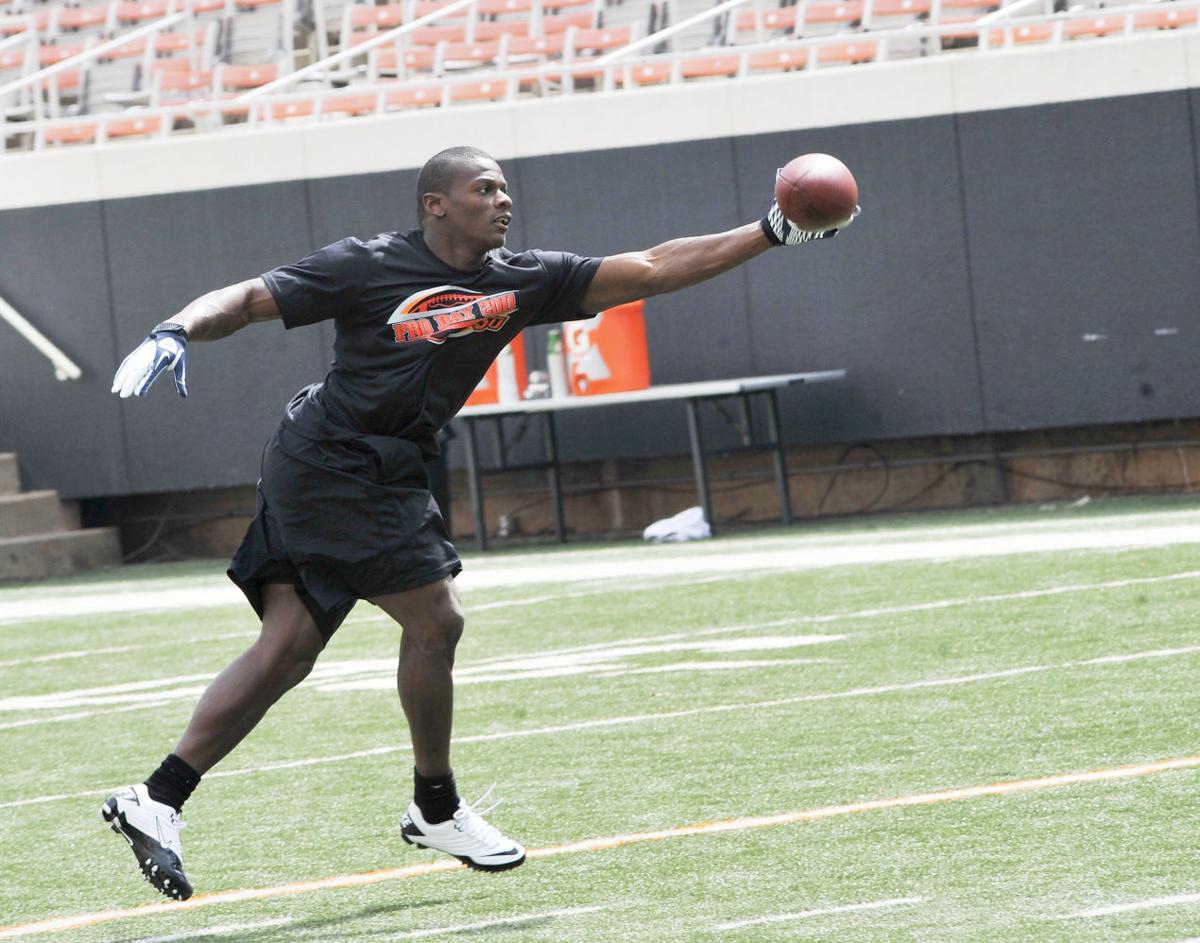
pixel 434 203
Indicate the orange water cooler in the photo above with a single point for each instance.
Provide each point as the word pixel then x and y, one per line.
pixel 607 353
pixel 505 379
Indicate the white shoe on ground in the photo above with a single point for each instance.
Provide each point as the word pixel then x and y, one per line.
pixel 152 830
pixel 467 836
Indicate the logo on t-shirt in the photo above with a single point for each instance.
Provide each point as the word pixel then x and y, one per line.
pixel 446 311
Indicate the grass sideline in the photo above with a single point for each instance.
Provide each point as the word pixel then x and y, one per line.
pixel 644 706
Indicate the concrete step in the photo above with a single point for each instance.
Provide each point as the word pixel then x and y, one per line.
pixel 36 512
pixel 10 475
pixel 42 556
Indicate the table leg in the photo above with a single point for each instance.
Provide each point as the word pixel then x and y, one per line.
pixel 781 476
pixel 473 484
pixel 560 530
pixel 693 419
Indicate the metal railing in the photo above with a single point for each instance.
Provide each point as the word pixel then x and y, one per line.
pixel 64 367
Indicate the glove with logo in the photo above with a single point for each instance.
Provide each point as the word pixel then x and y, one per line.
pixel 782 233
pixel 165 346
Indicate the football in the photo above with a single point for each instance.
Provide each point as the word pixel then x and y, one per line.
pixel 816 192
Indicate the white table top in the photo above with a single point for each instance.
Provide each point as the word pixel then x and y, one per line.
pixel 653 394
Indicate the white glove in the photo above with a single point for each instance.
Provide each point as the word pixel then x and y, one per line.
pixel 782 232
pixel 165 346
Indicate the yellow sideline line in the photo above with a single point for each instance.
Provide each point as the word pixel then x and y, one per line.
pixel 340 882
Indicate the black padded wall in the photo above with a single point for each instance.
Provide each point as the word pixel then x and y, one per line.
pixel 1012 269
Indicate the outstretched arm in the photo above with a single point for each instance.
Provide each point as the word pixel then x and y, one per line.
pixel 672 266
pixel 219 313
pixel 210 317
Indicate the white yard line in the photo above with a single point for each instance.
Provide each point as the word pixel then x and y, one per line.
pixel 121 649
pixel 821 912
pixel 606 722
pixel 1153 902
pixel 488 924
pixel 343 881
pixel 785 554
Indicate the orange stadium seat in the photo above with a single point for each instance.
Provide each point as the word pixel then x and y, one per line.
pixel 494 90
pixel 1093 26
pixel 53 53
pixel 364 15
pixel 415 96
pixel 132 127
pixel 699 67
pixel 167 43
pixel 1166 19
pixel 779 59
pixel 83 133
pixel 387 60
pixel 422 8
pixel 839 15
pixel 432 35
pixel 600 39
pixel 766 23
pixel 504 7
pixel 362 103
pixel 236 78
pixel 76 19
pixel 138 11
pixel 851 52
pixel 1024 33
pixel 646 73
pixel 487 30
pixel 552 25
pixel 469 55
pixel 175 85
pixel 282 111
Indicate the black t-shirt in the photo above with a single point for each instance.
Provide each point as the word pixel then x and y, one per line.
pixel 414 336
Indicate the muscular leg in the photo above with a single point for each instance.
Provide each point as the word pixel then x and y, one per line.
pixel 433 623
pixel 241 694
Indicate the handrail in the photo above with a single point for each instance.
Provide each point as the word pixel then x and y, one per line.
pixel 93 52
pixel 64 367
pixel 350 52
pixel 1006 11
pixel 655 38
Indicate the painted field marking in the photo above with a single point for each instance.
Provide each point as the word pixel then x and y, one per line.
pixel 821 912
pixel 488 924
pixel 121 649
pixel 70 698
pixel 604 722
pixel 216 931
pixel 341 882
pixel 1138 905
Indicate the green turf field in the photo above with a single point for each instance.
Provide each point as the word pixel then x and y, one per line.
pixel 754 738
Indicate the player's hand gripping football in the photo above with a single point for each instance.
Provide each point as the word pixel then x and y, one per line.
pixel 782 232
pixel 165 346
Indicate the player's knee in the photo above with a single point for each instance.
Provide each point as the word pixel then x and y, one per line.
pixel 290 659
pixel 438 634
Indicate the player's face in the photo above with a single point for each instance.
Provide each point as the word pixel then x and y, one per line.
pixel 479 207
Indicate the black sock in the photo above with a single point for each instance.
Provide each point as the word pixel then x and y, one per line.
pixel 172 783
pixel 435 796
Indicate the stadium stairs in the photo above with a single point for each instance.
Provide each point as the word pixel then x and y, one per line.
pixel 40 536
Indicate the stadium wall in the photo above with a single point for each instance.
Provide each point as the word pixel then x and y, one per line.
pixel 1025 260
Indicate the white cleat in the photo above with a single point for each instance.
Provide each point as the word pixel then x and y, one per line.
pixel 152 830
pixel 467 836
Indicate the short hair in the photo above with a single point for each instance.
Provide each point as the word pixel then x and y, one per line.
pixel 441 170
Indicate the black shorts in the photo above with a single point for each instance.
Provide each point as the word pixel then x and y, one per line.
pixel 342 520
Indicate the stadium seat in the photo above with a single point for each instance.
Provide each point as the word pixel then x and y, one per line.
pixel 173 86
pixel 139 11
pixel 1021 34
pixel 302 108
pixel 838 16
pixel 1166 18
pixel 553 25
pixel 523 49
pixel 598 40
pixel 1093 26
pixel 433 35
pixel 556 6
pixel 387 60
pixel 363 103
pixel 414 96
pixel 493 90
pixel 132 127
pixel 54 53
pixel 889 14
pixel 83 133
pixel 488 30
pixel 645 73
pixel 364 16
pixel 765 24
pixel 701 67
pixel 847 52
pixel 80 19
pixel 779 59
pixel 239 78
pixel 457 56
